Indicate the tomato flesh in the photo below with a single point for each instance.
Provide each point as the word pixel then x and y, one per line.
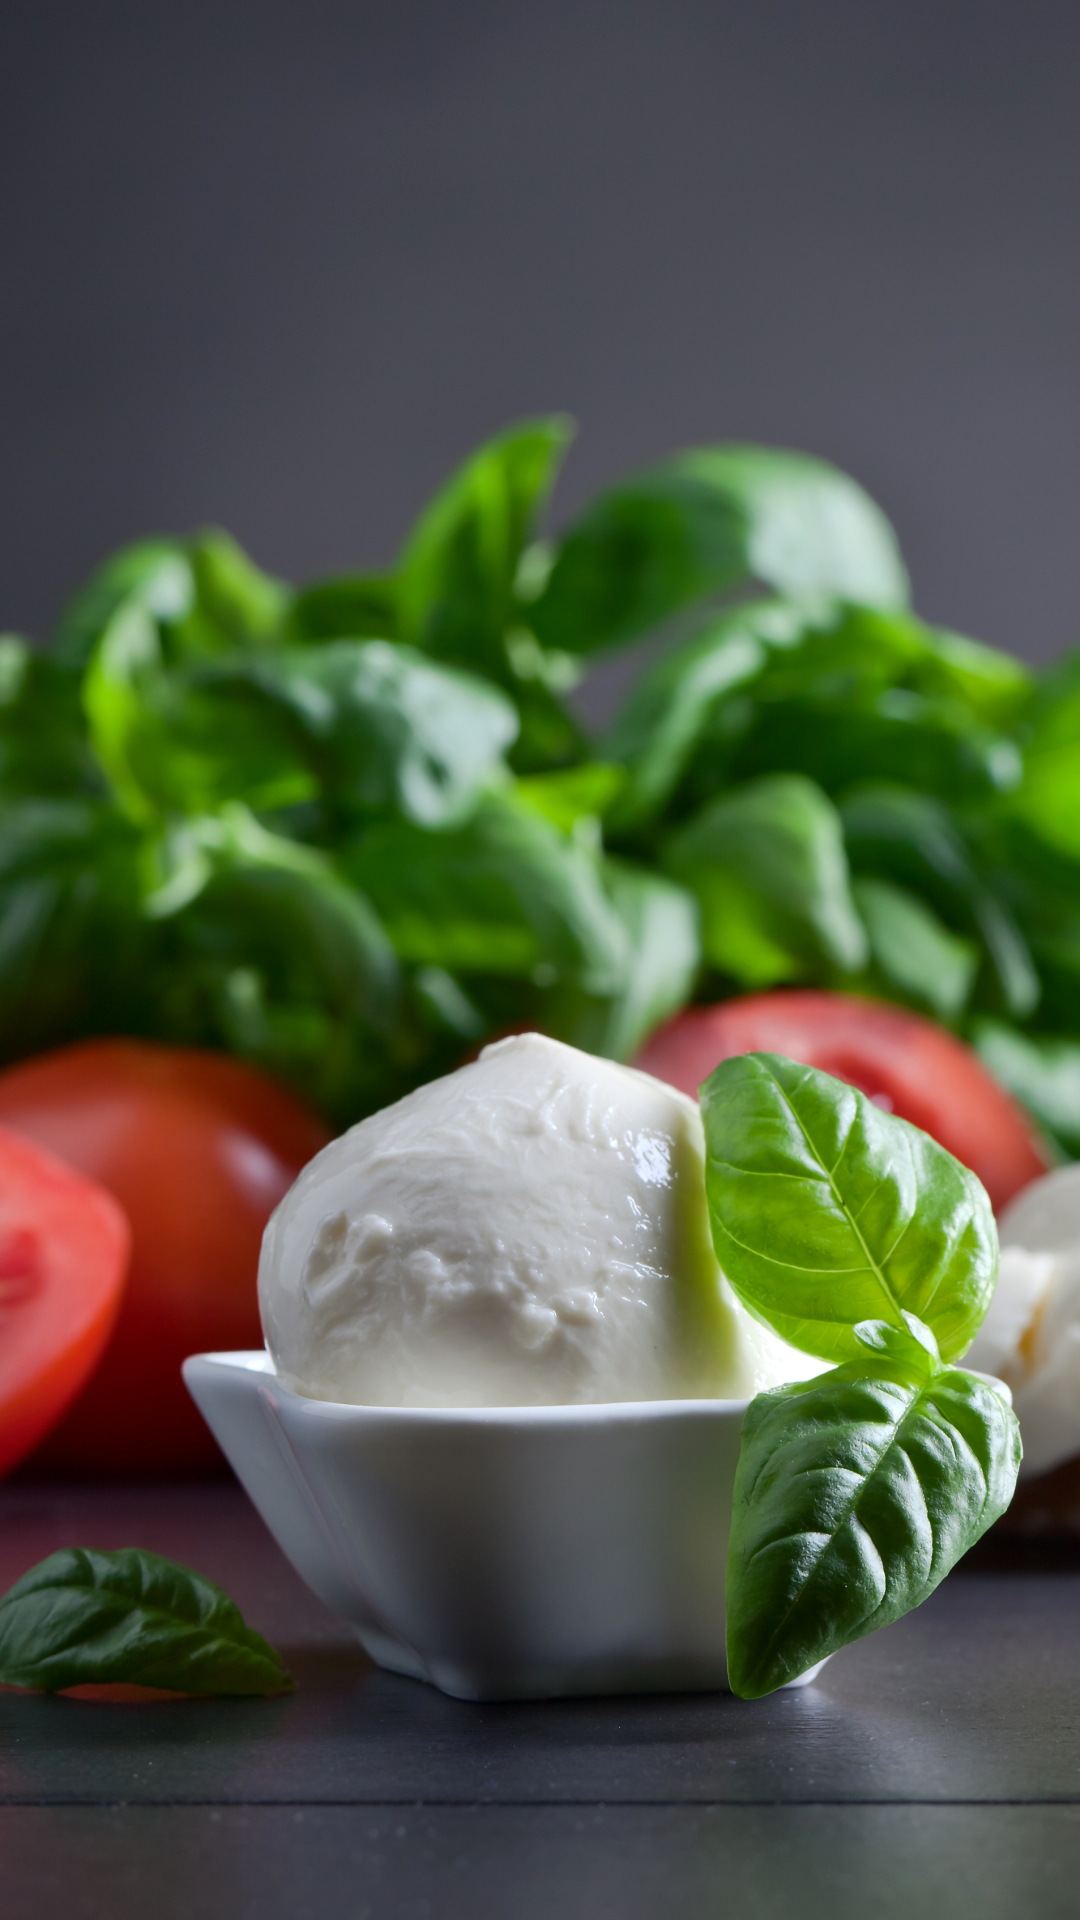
pixel 198 1149
pixel 64 1247
pixel 906 1063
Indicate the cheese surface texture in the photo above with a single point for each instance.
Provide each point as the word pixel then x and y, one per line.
pixel 530 1230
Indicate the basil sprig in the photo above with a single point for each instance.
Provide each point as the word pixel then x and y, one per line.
pixel 856 1237
pixel 83 1617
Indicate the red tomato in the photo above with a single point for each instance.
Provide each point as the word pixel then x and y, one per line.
pixel 64 1247
pixel 907 1064
pixel 198 1149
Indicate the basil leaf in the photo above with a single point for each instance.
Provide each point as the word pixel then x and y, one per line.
pixel 456 576
pixel 156 575
pixel 994 686
pixel 550 736
pixel 915 952
pixel 85 1617
pixel 670 707
pixel 912 1346
pixel 188 739
pixel 266 949
pixel 573 794
pixel 43 741
pixel 235 605
pixel 893 734
pixel 839 692
pixel 662 960
pixel 386 730
pixel 73 945
pixel 127 666
pixel 357 606
pixel 768 866
pixel 855 1494
pixel 507 893
pixel 1041 1072
pixel 1048 799
pixel 706 522
pixel 826 1211
pixel 894 832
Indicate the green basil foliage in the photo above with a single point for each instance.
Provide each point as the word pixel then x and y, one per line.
pixel 856 1237
pixel 349 830
pixel 85 1617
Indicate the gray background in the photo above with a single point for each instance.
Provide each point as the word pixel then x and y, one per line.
pixel 278 266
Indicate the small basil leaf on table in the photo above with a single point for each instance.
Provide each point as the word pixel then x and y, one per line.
pixel 826 1211
pixel 82 1617
pixel 854 1496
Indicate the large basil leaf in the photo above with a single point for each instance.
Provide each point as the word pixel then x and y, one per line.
pixel 456 576
pixel 855 1493
pixel 84 1617
pixel 706 522
pixel 768 867
pixel 826 1211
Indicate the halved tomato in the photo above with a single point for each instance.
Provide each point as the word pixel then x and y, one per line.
pixel 64 1245
pixel 907 1064
pixel 198 1149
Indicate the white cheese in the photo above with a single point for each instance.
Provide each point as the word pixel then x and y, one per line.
pixel 1031 1335
pixel 531 1230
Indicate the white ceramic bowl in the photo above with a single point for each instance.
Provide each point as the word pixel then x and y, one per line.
pixel 502 1553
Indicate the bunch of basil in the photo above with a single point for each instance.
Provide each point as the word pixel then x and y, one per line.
pixel 346 832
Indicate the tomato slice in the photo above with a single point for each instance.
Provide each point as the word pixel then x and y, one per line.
pixel 198 1149
pixel 64 1245
pixel 907 1064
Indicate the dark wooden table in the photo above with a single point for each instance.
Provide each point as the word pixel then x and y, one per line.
pixel 933 1770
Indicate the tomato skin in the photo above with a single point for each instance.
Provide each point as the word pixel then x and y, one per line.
pixel 926 1074
pixel 64 1247
pixel 198 1149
